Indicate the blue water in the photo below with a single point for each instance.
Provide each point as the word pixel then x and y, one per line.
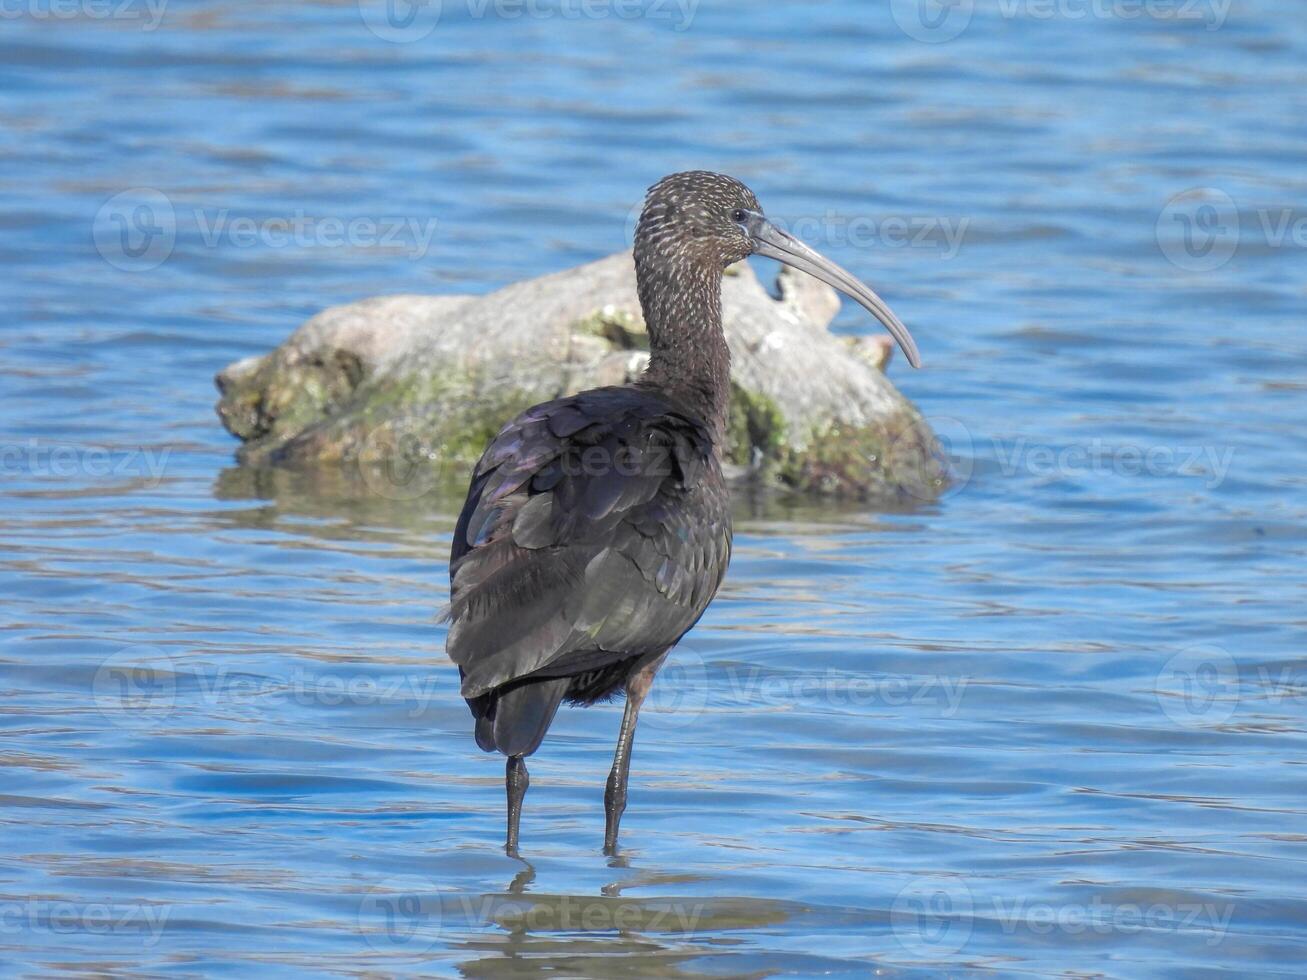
pixel 1052 724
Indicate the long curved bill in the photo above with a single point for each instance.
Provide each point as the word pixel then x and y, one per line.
pixel 770 241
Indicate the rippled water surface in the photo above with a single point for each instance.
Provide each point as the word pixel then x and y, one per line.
pixel 1050 724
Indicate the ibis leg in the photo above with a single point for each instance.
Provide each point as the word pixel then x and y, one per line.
pixel 516 781
pixel 637 688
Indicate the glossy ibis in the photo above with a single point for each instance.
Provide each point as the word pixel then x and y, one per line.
pixel 597 527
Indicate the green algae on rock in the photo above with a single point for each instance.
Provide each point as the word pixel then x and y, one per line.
pixel 427 381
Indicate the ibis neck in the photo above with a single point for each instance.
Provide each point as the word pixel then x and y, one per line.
pixel 688 357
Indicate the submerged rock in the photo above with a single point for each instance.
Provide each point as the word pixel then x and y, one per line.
pixel 425 381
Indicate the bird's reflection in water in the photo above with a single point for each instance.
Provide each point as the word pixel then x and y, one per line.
pixel 523 878
pixel 604 935
pixel 617 861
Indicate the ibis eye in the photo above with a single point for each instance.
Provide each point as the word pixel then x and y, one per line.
pixel 739 215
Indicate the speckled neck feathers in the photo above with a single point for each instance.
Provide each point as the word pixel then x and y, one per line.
pixel 688 357
pixel 685 241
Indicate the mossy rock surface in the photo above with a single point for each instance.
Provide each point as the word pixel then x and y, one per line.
pixel 414 383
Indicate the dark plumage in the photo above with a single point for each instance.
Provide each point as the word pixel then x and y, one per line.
pixel 597 526
pixel 577 555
